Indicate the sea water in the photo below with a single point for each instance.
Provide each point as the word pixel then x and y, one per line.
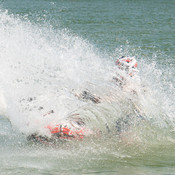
pixel 50 50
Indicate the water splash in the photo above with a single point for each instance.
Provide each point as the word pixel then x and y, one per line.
pixel 42 68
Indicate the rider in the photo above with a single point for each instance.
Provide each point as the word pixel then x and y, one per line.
pixel 74 127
